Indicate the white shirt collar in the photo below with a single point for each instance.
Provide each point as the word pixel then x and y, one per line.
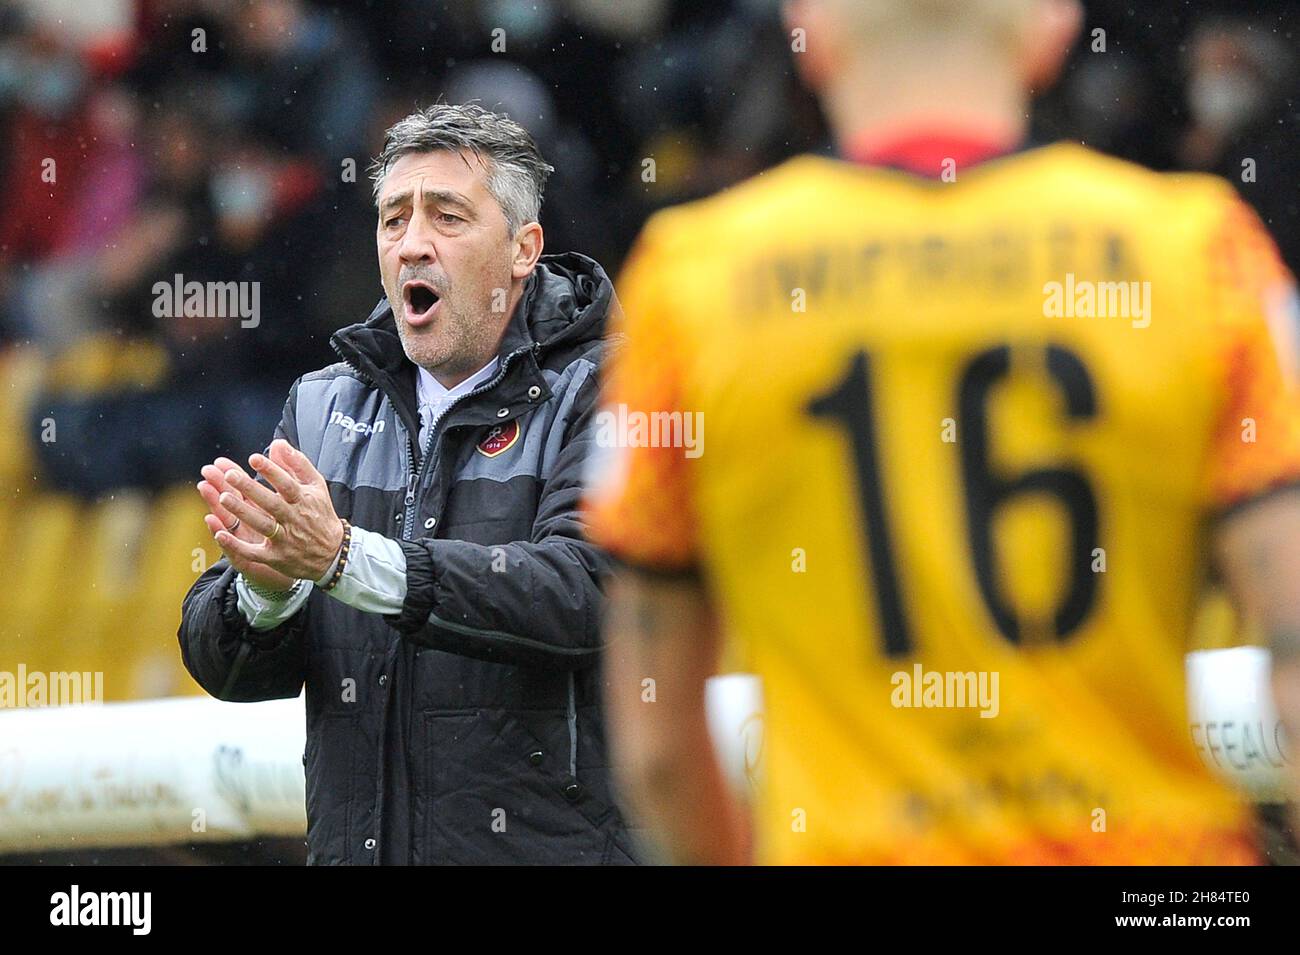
pixel 430 390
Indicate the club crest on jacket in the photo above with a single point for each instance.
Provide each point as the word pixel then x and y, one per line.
pixel 500 439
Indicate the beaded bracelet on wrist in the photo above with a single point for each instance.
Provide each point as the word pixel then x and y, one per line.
pixel 342 562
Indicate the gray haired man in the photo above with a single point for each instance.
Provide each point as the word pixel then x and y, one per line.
pixel 410 549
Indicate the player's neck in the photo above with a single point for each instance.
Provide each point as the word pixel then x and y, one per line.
pixel 872 103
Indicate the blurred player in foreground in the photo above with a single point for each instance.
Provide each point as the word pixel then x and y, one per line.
pixel 979 419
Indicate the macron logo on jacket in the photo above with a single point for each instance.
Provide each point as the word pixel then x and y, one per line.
pixel 358 427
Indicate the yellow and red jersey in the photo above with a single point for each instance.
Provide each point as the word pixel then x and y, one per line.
pixel 973 429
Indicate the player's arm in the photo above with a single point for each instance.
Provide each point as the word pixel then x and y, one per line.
pixel 662 629
pixel 1255 485
pixel 1258 550
pixel 659 627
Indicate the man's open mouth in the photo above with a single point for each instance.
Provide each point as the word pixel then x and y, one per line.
pixel 420 298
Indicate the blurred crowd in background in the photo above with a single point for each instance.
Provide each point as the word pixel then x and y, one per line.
pixel 225 140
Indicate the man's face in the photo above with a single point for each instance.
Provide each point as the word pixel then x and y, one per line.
pixel 445 257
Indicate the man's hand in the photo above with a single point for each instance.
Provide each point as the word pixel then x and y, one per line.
pixel 300 530
pixel 220 519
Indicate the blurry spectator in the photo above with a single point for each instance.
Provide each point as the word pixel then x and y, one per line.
pixel 43 84
pixel 297 81
pixel 255 226
pixel 1237 74
pixel 1110 103
pixel 1240 75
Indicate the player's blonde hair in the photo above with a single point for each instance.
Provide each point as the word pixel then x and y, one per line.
pixel 901 21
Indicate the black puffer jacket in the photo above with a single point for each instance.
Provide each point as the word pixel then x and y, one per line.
pixel 467 728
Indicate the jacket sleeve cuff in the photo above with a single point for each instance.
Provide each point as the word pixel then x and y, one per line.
pixel 237 625
pixel 268 612
pixel 420 589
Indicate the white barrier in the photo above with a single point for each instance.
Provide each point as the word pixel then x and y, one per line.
pixel 1234 724
pixel 161 771
pixel 195 769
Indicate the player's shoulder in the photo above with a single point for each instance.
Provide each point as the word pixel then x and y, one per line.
pixel 1074 172
pixel 335 383
pixel 1091 179
pixel 330 373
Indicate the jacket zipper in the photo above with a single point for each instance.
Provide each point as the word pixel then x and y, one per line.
pixel 408 503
